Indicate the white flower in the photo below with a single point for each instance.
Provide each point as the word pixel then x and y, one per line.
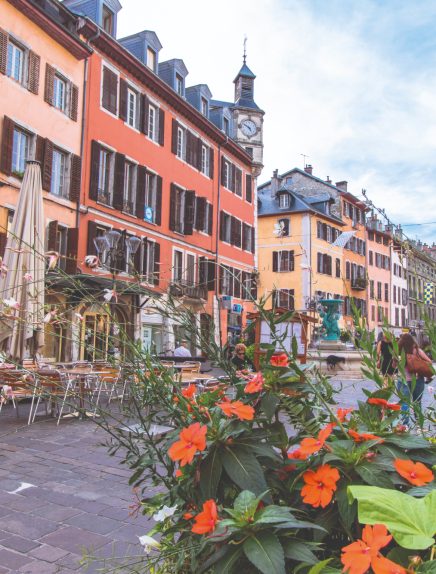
pixel 148 543
pixel 53 259
pixel 28 277
pixel 164 512
pixel 110 294
pixel 11 303
pixel 430 390
pixel 50 316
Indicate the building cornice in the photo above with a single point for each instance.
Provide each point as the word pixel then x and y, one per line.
pixel 113 49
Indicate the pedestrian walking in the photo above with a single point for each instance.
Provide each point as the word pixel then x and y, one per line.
pixel 385 359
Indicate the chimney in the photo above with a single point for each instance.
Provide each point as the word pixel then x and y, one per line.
pixel 328 180
pixel 275 183
pixel 308 169
pixel 342 185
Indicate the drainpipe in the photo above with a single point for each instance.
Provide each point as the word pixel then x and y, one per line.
pixel 217 274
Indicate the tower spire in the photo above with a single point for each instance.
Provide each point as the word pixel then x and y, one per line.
pixel 245 49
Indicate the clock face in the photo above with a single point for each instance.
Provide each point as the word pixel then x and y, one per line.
pixel 248 128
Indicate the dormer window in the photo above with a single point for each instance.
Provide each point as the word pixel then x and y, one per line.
pixel 226 126
pixel 179 84
pixel 107 20
pixel 151 59
pixel 284 200
pixel 204 106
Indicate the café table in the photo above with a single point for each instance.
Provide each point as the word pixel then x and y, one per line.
pixel 80 375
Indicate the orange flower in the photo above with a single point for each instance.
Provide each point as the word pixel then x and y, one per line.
pixel 188 515
pixel 361 437
pixel 310 445
pixel 279 360
pixel 189 392
pixel 357 557
pixel 237 408
pixel 382 565
pixel 256 384
pixel 191 440
pixel 320 485
pixel 297 454
pixel 342 414
pixel 384 404
pixel 206 520
pixel 178 473
pixel 415 472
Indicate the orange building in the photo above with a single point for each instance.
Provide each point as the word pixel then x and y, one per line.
pixel 41 93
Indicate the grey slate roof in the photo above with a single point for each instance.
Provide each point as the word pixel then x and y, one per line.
pixel 246 72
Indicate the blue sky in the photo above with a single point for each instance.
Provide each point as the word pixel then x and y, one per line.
pixel 350 83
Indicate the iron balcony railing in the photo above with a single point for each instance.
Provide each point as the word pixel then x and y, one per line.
pixel 185 289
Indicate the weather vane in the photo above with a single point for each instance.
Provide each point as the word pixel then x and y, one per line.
pixel 245 48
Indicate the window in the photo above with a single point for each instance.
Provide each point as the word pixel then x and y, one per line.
pixel 148 265
pixel 347 270
pixel 151 191
pixel 285 261
pixel 129 187
pixel 107 20
pixel 226 175
pixel 190 269
pixel 247 237
pixel 20 151
pixel 372 312
pixel 379 290
pixel 15 62
pixel 238 181
pixel 105 177
pixel 249 150
pixel 179 85
pixel 204 106
pixel 180 143
pixel 151 59
pixel 178 266
pixel 284 298
pixel 205 155
pixel 324 264
pixel 283 229
pixel 284 200
pixel 60 93
pixel 395 294
pixel 61 242
pixel 403 317
pixel 58 177
pixel 226 126
pixel 109 96
pixel 132 108
pixel 371 289
pixel 338 267
pixel 153 132
pixel 226 222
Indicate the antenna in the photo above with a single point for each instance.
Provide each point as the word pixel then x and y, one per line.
pixel 304 159
pixel 245 48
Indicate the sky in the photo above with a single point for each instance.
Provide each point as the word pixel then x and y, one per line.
pixel 349 83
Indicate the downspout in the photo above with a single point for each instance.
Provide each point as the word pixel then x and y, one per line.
pixel 217 239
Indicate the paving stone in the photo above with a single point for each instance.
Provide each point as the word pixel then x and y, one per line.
pixel 19 543
pixel 48 553
pixel 38 567
pixel 74 539
pixel 55 512
pixel 28 526
pixel 129 532
pixel 116 513
pixel 98 524
pixel 13 560
pixel 70 562
pixel 92 506
pixel 23 503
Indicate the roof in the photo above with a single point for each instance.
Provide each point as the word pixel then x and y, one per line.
pixel 246 103
pixel 244 71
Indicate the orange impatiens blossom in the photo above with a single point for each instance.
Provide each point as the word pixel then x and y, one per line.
pixel 361 437
pixel 382 565
pixel 343 413
pixel 279 360
pixel 357 557
pixel 384 404
pixel 238 409
pixel 415 472
pixel 320 485
pixel 191 440
pixel 255 385
pixel 206 520
pixel 189 392
pixel 310 445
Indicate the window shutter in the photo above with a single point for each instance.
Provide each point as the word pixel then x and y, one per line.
pixel 254 286
pixel 156 271
pixel 52 236
pixel 110 89
pixel 122 112
pixel 202 271
pixel 221 279
pixel 222 226
pixel 275 261
pixel 223 170
pixel 72 249
pixel 237 283
pixel 173 199
pixel 49 84
pixel 140 191
pixel 143 120
pixel 199 153
pixel 75 180
pixel 7 145
pixel 92 234
pixel 47 165
pixel 210 219
pixel 119 181
pixel 158 214
pixel 233 177
pixel 144 269
pixel 33 73
pixel 39 150
pixel 189 212
pixel 253 240
pixel 248 188
pixel 238 181
pixel 161 137
pixel 137 262
pixel 211 270
pixel 211 163
pixel 3 51
pixel 95 168
pixel 189 148
pixel 200 214
pixel 175 126
pixel 3 240
pixel 238 233
pixel 245 232
pixel 74 106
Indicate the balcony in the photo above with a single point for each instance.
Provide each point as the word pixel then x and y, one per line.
pixel 188 290
pixel 104 197
pixel 359 283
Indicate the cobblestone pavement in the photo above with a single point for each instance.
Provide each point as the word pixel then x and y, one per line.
pixel 78 496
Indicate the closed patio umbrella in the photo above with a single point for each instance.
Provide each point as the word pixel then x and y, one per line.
pixel 22 279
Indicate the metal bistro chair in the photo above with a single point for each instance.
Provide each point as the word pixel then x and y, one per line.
pixel 53 388
pixel 17 386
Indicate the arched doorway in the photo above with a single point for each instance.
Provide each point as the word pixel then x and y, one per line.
pixel 99 338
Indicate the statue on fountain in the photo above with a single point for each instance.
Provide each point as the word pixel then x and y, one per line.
pixel 329 312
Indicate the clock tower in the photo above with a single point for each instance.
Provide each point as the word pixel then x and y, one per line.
pixel 248 117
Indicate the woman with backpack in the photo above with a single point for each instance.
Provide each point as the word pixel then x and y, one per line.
pixel 418 367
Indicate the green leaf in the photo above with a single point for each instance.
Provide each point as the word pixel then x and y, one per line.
pixel 419 491
pixel 427 568
pixel 411 521
pixel 269 404
pixel 246 503
pixel 320 567
pixel 347 511
pixel 210 474
pixel 244 469
pixel 407 441
pixel 226 563
pixel 257 448
pixel 265 552
pixel 273 514
pixel 373 475
pixel 299 551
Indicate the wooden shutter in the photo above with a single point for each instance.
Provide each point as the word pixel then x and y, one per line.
pixel 110 89
pixel 211 162
pixel 7 145
pixel 33 72
pixel 92 234
pixel 221 279
pixel 118 195
pixel 144 269
pixel 173 200
pixel 175 126
pixel 161 137
pixel 248 188
pixel 158 214
pixel 3 241
pixel 246 231
pixel 123 100
pixel 156 274
pixel 188 224
pixel 74 105
pixel 3 51
pixel 232 177
pixel 200 214
pixel 253 240
pixel 211 271
pixel 52 236
pixel 47 165
pixel 238 181
pixel 275 261
pixel 72 250
pixel 254 286
pixel 237 283
pixel 140 191
pixel 202 271
pixel 223 170
pixel 95 169
pixel 39 150
pixel 143 119
pixel 49 84
pixel 189 147
pixel 222 226
pixel 75 180
pixel 210 217
pixel 236 229
pixel 199 153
